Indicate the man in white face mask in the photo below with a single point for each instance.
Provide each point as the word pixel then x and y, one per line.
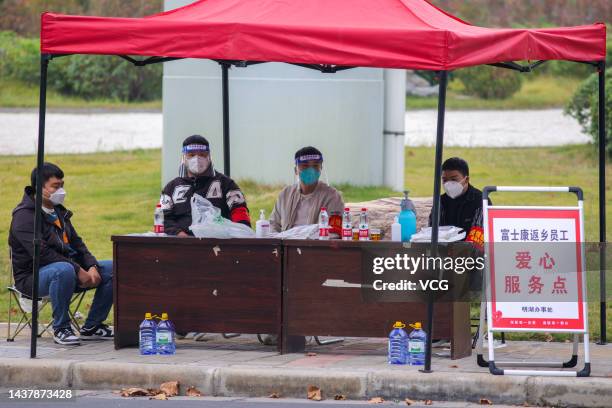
pixel 66 265
pixel 198 176
pixel 461 204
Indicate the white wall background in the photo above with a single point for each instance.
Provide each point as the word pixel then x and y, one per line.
pixel 274 110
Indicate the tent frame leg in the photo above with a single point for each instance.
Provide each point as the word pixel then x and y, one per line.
pixel 601 68
pixel 225 66
pixel 435 218
pixel 42 110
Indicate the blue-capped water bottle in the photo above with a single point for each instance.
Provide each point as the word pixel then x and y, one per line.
pixel 164 336
pixel 407 218
pixel 398 342
pixel 416 345
pixel 147 335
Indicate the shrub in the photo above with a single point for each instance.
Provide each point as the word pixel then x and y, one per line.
pixel 490 82
pixel 584 107
pixel 94 76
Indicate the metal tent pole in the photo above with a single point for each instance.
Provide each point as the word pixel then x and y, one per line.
pixel 435 212
pixel 226 131
pixel 602 200
pixel 42 109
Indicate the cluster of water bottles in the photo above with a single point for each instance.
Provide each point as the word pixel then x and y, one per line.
pixel 157 338
pixel 404 225
pixel 407 348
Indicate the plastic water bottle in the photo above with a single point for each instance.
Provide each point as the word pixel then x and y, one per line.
pixel 398 342
pixel 407 218
pixel 262 226
pixel 364 229
pixel 347 226
pixel 396 230
pixel 158 219
pixel 164 338
pixel 323 224
pixel 147 335
pixel 416 345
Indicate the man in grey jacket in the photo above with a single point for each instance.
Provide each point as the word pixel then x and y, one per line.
pixel 300 203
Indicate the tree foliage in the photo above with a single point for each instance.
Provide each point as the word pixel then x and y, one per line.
pixel 489 82
pixel 584 107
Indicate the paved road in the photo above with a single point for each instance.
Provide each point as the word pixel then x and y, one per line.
pixel 101 399
pixel 72 132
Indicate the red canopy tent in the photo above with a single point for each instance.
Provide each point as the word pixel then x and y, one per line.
pixel 324 35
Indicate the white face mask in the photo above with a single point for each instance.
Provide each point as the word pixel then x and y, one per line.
pixel 453 188
pixel 198 165
pixel 58 196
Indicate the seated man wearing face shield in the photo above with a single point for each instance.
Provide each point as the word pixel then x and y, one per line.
pixel 300 203
pixel 198 176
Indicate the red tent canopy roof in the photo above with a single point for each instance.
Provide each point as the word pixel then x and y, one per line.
pixel 372 33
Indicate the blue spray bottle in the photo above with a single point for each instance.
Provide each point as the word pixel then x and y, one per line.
pixel 407 218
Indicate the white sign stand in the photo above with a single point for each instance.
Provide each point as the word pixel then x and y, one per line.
pixel 565 317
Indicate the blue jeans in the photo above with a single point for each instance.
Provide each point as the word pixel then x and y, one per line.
pixel 59 282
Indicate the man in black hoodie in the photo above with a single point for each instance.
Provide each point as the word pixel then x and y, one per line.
pixel 66 265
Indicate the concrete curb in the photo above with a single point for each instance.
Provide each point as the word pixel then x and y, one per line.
pixel 293 382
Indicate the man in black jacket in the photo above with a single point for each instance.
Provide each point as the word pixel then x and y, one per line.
pixel 66 265
pixel 461 205
pixel 198 176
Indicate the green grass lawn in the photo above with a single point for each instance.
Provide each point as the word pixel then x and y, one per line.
pixel 537 92
pixel 115 193
pixel 14 94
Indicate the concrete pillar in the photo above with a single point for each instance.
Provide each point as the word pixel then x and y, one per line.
pixel 394 128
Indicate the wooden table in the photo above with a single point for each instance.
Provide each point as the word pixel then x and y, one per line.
pixel 309 308
pixel 205 285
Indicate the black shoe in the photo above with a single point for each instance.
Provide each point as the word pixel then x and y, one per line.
pixel 66 337
pixel 99 332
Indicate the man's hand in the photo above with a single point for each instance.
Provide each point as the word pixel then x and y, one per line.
pixel 90 278
pixel 95 276
pixel 182 234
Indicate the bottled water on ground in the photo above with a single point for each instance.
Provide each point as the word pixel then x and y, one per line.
pixel 164 338
pixel 147 335
pixel 398 342
pixel 416 345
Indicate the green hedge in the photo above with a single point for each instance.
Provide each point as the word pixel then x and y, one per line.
pixel 86 76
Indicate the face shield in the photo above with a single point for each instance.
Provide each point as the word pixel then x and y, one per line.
pixel 195 159
pixel 309 169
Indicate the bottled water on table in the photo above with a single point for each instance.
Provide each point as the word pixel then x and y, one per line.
pixel 323 224
pixel 347 226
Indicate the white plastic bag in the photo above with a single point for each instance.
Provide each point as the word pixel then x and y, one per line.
pixel 207 222
pixel 446 233
pixel 310 231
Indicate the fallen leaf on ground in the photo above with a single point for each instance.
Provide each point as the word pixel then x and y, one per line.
pixel 484 401
pixel 161 396
pixel 314 393
pixel 134 392
pixel 170 388
pixel 154 391
pixel 274 395
pixel 376 400
pixel 428 402
pixel 193 392
pixel 311 354
pixel 408 401
pixel 339 397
